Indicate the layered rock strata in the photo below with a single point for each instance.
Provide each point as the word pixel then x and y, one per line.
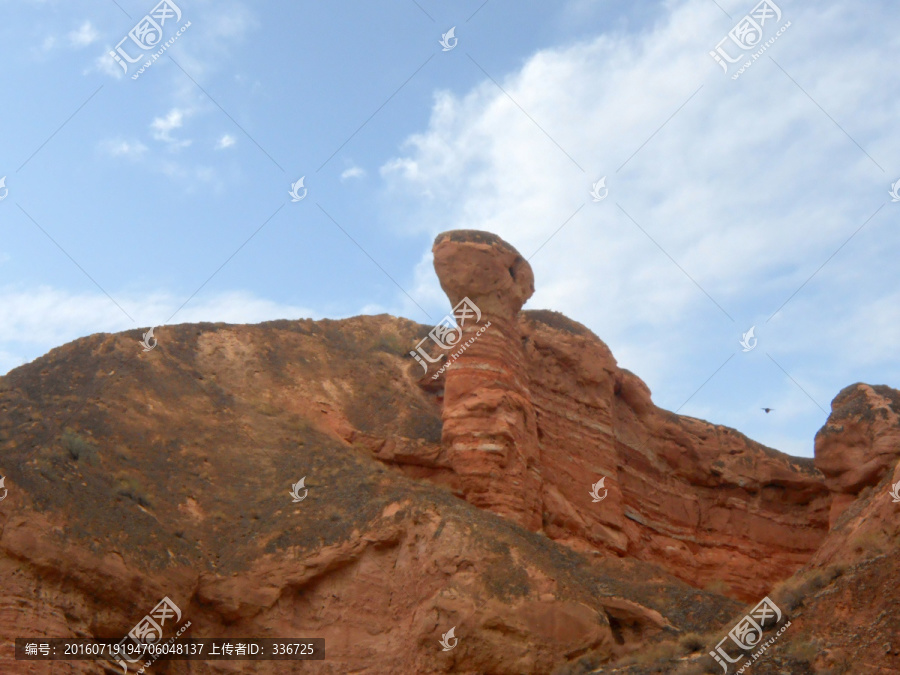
pixel 536 411
pixel 490 428
pixel 859 443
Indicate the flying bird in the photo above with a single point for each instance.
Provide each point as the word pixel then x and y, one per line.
pixel 767 410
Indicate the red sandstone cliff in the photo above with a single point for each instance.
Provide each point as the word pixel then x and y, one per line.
pixel 536 410
pixel 135 475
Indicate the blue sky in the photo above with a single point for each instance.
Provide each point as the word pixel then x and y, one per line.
pixel 758 201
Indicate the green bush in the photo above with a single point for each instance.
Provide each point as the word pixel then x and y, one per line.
pixel 78 447
pixel 130 487
pixel 390 344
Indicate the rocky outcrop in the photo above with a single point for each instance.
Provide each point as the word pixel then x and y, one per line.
pixel 490 430
pixel 858 450
pixel 859 443
pixel 134 476
pixel 844 615
pixel 538 411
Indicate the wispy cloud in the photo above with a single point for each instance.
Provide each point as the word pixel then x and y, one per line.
pixel 225 142
pixel 353 172
pixel 162 128
pixel 106 65
pixel 85 35
pixel 128 149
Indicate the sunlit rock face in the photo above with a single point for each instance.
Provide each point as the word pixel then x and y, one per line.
pixel 490 426
pixel 536 411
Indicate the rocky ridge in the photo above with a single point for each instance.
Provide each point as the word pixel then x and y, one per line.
pixel 440 498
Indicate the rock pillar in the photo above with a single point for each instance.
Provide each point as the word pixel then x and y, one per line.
pixel 490 427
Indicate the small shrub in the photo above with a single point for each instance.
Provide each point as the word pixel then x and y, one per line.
pixel 691 642
pixel 130 487
pixel 390 344
pixel 791 593
pixel 802 650
pixel 870 543
pixel 78 447
pixel 835 571
pixel 268 409
pixel 656 652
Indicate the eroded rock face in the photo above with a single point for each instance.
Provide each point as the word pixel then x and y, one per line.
pixel 490 429
pixel 699 499
pixel 859 443
pixel 537 411
pixel 134 476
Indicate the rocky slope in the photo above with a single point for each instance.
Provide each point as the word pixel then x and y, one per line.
pixel 451 496
pixel 135 476
pixel 843 605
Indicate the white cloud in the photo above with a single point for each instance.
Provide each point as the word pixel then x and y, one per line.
pixel 353 172
pixel 163 127
pixel 120 148
pixel 107 65
pixel 749 188
pixel 225 142
pixel 85 34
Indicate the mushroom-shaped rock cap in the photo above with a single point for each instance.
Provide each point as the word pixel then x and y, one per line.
pixel 481 266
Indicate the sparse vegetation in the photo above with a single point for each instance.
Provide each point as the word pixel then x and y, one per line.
pixel 78 448
pixel 802 650
pixel 385 342
pixel 871 543
pixel 791 593
pixel 267 409
pixel 583 666
pixel 691 642
pixel 652 653
pixel 668 651
pixel 130 487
